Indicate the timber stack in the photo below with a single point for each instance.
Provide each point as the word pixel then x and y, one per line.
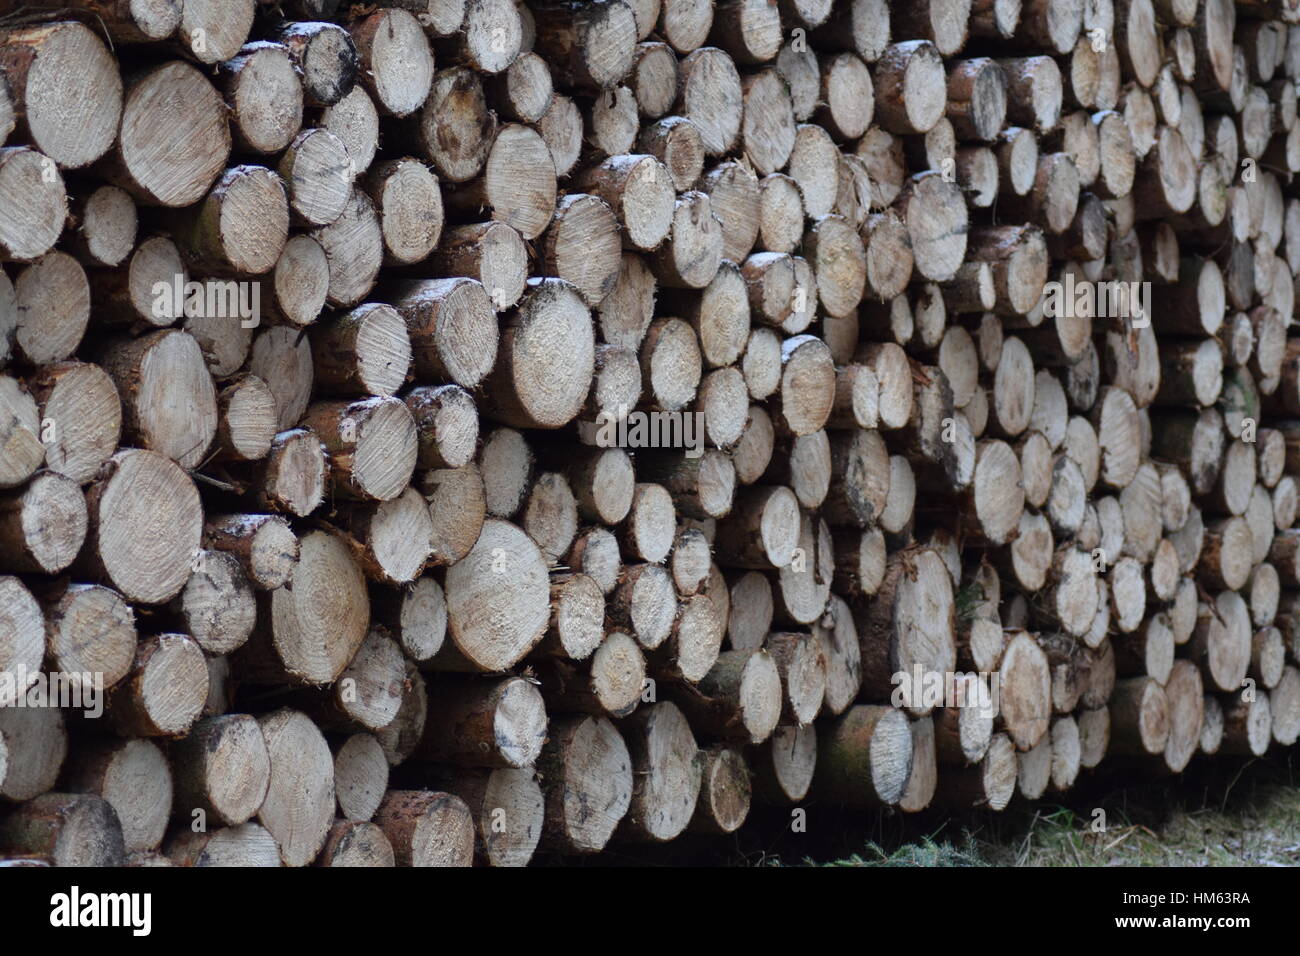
pixel 456 430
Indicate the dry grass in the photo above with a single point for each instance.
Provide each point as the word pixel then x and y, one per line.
pixel 1248 817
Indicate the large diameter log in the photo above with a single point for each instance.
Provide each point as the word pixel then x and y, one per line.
pixel 318 620
pixel 65 88
pixel 222 768
pixel 145 526
pixel 149 372
pixel 897 637
pixel 1025 691
pixel 299 805
pixel 586 770
pixel 175 136
pixel 546 359
pixel 505 560
pixel 865 757
pixel 666 768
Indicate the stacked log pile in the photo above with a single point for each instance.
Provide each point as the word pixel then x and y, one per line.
pixel 315 320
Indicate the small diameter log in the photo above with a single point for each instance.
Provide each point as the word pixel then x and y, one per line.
pixel 451 326
pixel 590 47
pixel 1025 691
pixel 246 419
pixel 82 402
pixel 371 446
pixel 318 619
pixel 991 783
pixel 546 359
pixel 639 189
pixel 784 767
pixel 1139 715
pixel 326 59
pixel 65 829
pixel 1185 698
pixel 690 256
pixel 89 629
pixel 165 690
pixel 360 776
pixel 149 372
pixel 264 545
pixel 936 224
pixel 517 182
pixel 802 667
pixel 507 806
pixel 292 477
pixel 43 526
pixel 1247 724
pixel 35 744
pixel 350 843
pixel 724 792
pixel 577 617
pixel 739 699
pixel 497 723
pixel 762 530
pixel 427 828
pixel 962 734
pixel 244 845
pixel 408 201
pixel 396 60
pixel 216 607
